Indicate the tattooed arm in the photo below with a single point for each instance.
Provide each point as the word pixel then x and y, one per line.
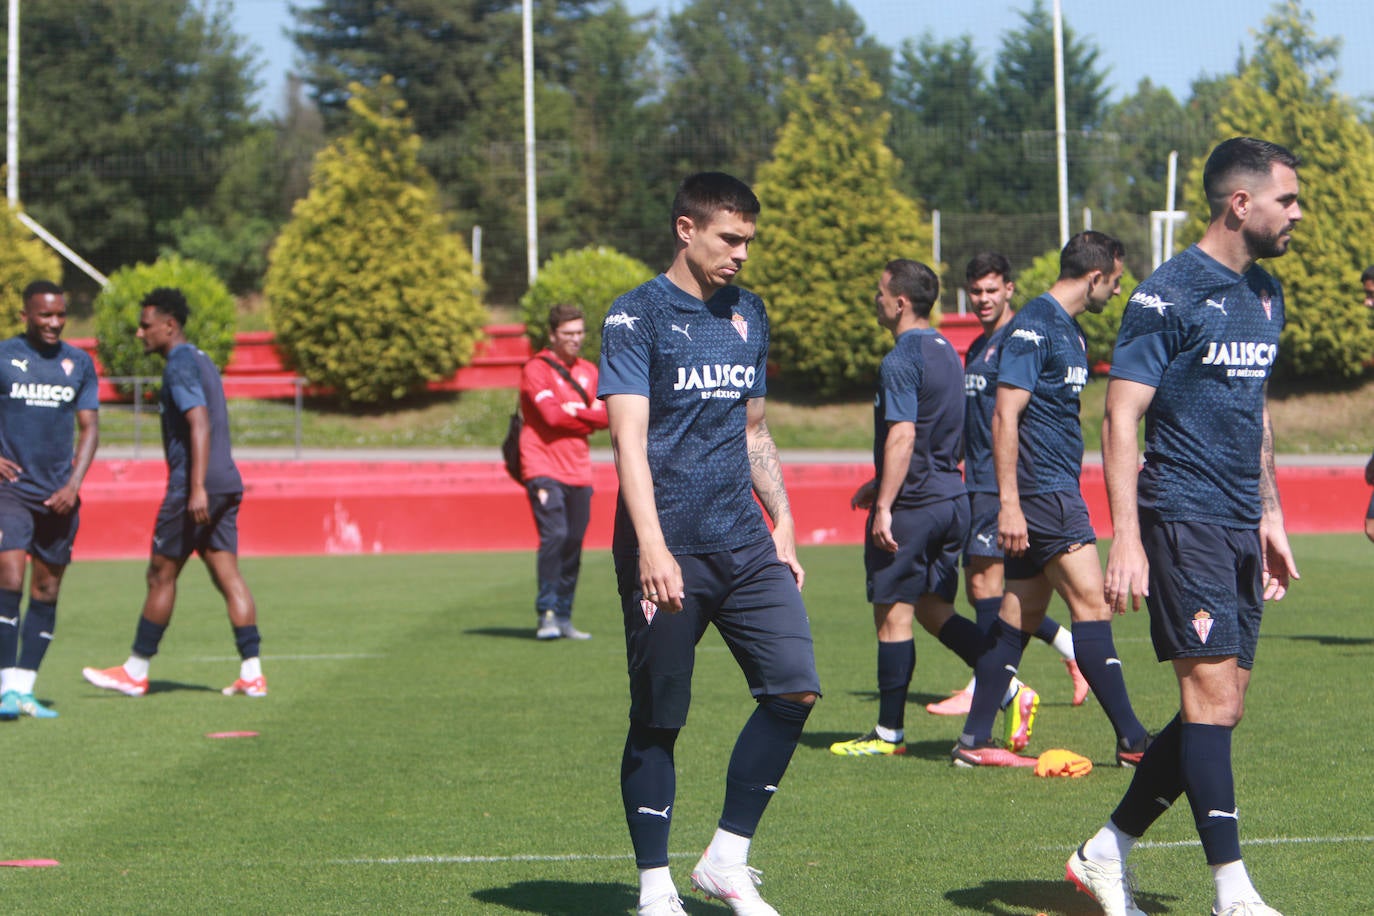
pixel 765 471
pixel 1279 566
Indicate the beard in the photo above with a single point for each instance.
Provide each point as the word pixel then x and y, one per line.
pixel 1268 244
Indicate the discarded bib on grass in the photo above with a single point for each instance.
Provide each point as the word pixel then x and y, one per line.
pixel 1060 762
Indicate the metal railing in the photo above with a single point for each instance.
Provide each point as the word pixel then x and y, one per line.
pixel 134 421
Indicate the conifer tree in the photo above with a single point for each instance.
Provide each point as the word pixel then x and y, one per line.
pixel 832 218
pixel 369 291
pixel 1285 94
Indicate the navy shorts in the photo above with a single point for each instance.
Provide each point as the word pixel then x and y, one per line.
pixel 754 603
pixel 1206 589
pixel 1369 513
pixel 1057 523
pixel 929 540
pixel 36 529
pixel 176 534
pixel 982 527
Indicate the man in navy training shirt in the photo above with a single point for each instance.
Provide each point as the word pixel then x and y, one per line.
pixel 988 279
pixel 683 359
pixel 1199 530
pixel 918 512
pixel 48 390
pixel 199 512
pixel 1042 525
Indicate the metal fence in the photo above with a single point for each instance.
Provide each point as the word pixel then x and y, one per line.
pixel 132 423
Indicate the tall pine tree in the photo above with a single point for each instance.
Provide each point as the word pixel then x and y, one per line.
pixel 832 217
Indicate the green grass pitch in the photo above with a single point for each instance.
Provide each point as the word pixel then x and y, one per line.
pixel 421 753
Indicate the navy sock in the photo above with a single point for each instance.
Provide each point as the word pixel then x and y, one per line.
pixel 9 627
pixel 248 641
pixel 39 623
pixel 1157 783
pixel 147 637
pixel 760 758
pixel 994 671
pixel 985 611
pixel 1097 659
pixel 648 784
pixel 896 662
pixel 1048 629
pixel 963 637
pixel 1211 788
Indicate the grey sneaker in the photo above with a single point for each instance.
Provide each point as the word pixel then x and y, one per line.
pixel 568 631
pixel 548 627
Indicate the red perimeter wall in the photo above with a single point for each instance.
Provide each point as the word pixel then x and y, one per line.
pixel 350 507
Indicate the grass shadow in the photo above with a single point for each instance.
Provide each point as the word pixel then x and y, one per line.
pixel 570 898
pixel 1054 898
pixel 506 633
pixel 1322 640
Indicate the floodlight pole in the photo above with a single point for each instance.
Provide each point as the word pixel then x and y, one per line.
pixel 1060 128
pixel 1170 193
pixel 531 213
pixel 12 111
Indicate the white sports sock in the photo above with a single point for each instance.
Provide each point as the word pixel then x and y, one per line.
pixel 654 883
pixel 1063 642
pixel 1233 884
pixel 971 682
pixel 1110 844
pixel 7 679
pixel 20 680
pixel 892 735
pixel 137 667
pixel 728 848
pixel 1012 688
pixel 250 669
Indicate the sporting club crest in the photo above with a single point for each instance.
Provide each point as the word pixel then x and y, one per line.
pixel 1268 304
pixel 1202 624
pixel 68 366
pixel 741 326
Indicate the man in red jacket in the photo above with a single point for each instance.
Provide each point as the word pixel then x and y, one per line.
pixel 559 403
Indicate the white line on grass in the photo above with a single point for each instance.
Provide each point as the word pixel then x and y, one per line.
pixel 1268 841
pixel 481 860
pixel 341 657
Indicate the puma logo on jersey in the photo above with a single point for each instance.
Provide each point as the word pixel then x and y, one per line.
pixel 21 364
pixel 683 330
pixel 1219 306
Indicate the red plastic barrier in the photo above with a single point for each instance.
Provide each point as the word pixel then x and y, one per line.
pixel 349 507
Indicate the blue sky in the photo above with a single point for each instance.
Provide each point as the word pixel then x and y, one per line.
pixel 1170 41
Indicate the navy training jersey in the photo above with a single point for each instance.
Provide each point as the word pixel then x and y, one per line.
pixel 1205 338
pixel 921 382
pixel 980 396
pixel 1044 352
pixel 41 391
pixel 191 380
pixel 697 363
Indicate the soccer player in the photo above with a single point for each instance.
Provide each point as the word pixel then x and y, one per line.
pixel 199 512
pixel 1042 525
pixel 1369 513
pixel 1199 530
pixel 48 390
pixel 559 403
pixel 918 513
pixel 990 288
pixel 1367 281
pixel 683 359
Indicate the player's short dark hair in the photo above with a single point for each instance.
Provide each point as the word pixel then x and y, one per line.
pixel 562 313
pixel 40 288
pixel 914 280
pixel 988 262
pixel 1234 158
pixel 1088 251
pixel 168 300
pixel 1368 274
pixel 701 196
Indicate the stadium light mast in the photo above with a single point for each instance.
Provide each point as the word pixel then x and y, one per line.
pixel 12 111
pixel 1061 150
pixel 531 214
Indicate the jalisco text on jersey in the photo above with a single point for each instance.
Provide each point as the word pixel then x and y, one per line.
pixel 1239 353
pixel 45 395
pixel 714 376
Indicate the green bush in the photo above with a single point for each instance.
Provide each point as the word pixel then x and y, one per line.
pixel 1101 329
pixel 369 292
pixel 589 278
pixel 210 326
pixel 23 259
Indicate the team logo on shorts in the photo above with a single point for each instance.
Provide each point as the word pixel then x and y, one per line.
pixel 649 609
pixel 741 326
pixel 1202 623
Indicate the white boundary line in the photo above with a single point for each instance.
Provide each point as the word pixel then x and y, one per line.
pixel 483 860
pixel 340 657
pixel 1264 841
